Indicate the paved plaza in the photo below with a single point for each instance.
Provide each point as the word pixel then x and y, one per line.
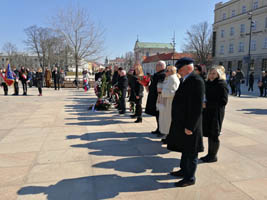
pixel 53 148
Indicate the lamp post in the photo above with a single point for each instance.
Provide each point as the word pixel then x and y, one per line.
pixel 173 45
pixel 249 46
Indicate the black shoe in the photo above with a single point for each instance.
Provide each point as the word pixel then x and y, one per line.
pixel 205 158
pixel 184 183
pixel 121 112
pixel 139 120
pixel 155 132
pixel 211 160
pixel 177 174
pixel 160 134
pixel 133 116
pixel 164 141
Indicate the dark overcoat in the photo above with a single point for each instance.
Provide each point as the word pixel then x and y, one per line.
pixel 153 93
pixel 213 114
pixel 39 79
pixel 122 85
pixel 138 88
pixel 187 113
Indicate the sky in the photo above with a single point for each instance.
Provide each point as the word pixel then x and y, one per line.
pixel 122 20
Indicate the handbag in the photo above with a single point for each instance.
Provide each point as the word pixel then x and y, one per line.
pixel 260 84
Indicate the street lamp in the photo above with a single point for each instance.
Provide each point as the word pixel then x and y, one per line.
pixel 249 46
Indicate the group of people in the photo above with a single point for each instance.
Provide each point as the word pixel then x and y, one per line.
pixel 29 78
pixel 236 78
pixel 186 103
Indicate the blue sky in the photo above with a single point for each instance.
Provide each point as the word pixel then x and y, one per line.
pixel 123 20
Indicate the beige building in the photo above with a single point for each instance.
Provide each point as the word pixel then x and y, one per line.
pixel 146 49
pixel 231 34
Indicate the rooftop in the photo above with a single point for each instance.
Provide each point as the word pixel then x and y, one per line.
pixel 153 45
pixel 166 56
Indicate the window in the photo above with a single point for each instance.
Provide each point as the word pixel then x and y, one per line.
pixel 253 45
pixel 232 31
pixel 224 16
pixel 3 60
pixel 147 54
pixel 241 47
pixel 244 9
pixel 264 65
pixel 265 22
pixel 221 49
pixel 253 25
pixel 239 64
pixel 222 33
pixel 233 13
pixel 255 4
pixel 265 43
pixel 231 48
pixel 242 28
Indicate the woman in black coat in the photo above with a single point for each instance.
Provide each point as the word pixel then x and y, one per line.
pixel 39 81
pixel 214 109
pixel 138 92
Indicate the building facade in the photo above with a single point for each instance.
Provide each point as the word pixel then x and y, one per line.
pixel 149 63
pixel 20 59
pixel 146 49
pixel 237 22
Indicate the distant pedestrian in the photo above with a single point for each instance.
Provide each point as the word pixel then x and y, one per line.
pixel 232 82
pixel 2 81
pixel 251 81
pixel 216 99
pixel 260 83
pixel 48 77
pixel 138 92
pixel 39 80
pixel 122 85
pixel 23 76
pixel 61 78
pixel 239 80
pixel 56 78
pixel 16 81
pixel 264 84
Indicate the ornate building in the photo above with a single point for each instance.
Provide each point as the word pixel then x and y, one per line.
pixel 146 49
pixel 236 23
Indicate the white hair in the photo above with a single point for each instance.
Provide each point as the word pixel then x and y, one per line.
pixel 123 72
pixel 162 63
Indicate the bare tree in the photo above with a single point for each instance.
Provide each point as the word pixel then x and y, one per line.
pixel 199 42
pixel 129 60
pixel 11 51
pixel 80 34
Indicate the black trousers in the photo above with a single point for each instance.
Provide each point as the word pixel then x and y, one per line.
pixel 16 88
pixel 40 90
pixel 56 84
pixel 250 87
pixel 188 165
pixel 138 107
pixel 5 88
pixel 122 101
pixel 24 85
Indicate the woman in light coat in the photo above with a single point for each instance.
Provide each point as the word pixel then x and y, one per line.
pixel 166 93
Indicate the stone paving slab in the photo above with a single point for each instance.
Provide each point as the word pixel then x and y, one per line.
pixel 53 148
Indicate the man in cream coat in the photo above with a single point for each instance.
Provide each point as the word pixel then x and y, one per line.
pixel 167 91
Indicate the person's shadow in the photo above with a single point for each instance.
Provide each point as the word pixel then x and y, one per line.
pixel 98 187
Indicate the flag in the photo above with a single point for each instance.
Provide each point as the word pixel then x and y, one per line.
pixel 9 78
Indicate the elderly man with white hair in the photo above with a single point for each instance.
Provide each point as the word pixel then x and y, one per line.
pixel 158 77
pixel 122 85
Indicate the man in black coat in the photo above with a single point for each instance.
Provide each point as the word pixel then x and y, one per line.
pixel 185 133
pixel 56 77
pixel 152 97
pixel 122 85
pixel 16 81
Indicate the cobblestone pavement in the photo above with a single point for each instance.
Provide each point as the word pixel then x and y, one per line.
pixel 52 147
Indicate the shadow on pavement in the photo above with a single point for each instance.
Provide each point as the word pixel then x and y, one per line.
pixel 255 111
pixel 98 187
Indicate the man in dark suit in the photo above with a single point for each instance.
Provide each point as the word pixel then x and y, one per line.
pixel 122 85
pixel 185 134
pixel 56 77
pixel 152 97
